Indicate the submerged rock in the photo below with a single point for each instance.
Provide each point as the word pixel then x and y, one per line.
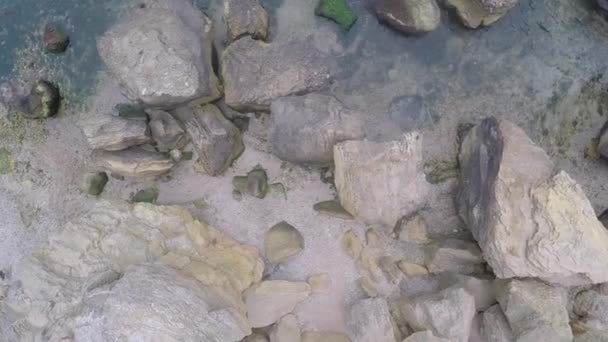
pixel 245 17
pixel 166 131
pixel 528 224
pixel 282 242
pixel 270 300
pixel 332 208
pixel 370 321
pixel 379 183
pixel 42 102
pixel 94 183
pixel 110 133
pixel 304 129
pixel 135 163
pixel 216 140
pixel 161 54
pixel 256 73
pixel 55 39
pixel 338 11
pixel 475 13
pixel 409 16
pixel 149 195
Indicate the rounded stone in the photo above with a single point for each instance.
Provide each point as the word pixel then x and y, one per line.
pixel 282 241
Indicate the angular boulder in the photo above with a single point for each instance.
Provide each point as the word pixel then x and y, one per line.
pixel 110 133
pixel 256 73
pixel 245 17
pixel 528 224
pixel 370 321
pixel 476 13
pixel 161 54
pixel 135 162
pixel 304 129
pixel 409 16
pixel 379 183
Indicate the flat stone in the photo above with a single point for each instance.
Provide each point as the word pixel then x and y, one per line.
pixel 282 242
pixel 110 133
pixel 245 17
pixel 166 131
pixel 409 16
pixel 318 336
pixel 457 256
pixel 495 327
pixel 286 330
pixel 135 163
pixel 412 228
pixel 333 209
pixel 270 300
pixel 370 321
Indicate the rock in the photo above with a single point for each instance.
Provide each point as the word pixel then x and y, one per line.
pixel 94 183
pixel 176 155
pixel 216 140
pixel 338 11
pixel 42 102
pixel 6 161
pixel 286 330
pixel 107 268
pixel 425 336
pixel 495 326
pixel 389 268
pixel 255 338
pixel 591 336
pixel 333 209
pixel 320 283
pixel 412 270
pixel 370 321
pixel 55 39
pixel 110 133
pixel 439 171
pixel 149 195
pixel 454 256
pixel 270 300
pixel 367 287
pixel 535 311
pixel 166 131
pixel 412 228
pixel 304 129
pixel 374 241
pixel 379 183
pixel 131 111
pixel 135 163
pixel 475 13
pixel 603 4
pixel 351 245
pixel 254 184
pixel 161 55
pixel 256 73
pixel 245 17
pixel 528 224
pixel 447 314
pixel 317 336
pixel 592 305
pixel 409 16
pixel 481 289
pixel 282 241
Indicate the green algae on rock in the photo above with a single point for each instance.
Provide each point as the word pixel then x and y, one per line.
pixel 42 102
pixel 6 162
pixel 55 39
pixel 149 195
pixel 95 182
pixel 338 11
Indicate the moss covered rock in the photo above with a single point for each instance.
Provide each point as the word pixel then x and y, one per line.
pixel 338 11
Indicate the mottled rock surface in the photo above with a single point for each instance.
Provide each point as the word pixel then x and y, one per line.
pixel 112 133
pixel 409 16
pixel 379 183
pixel 304 129
pixel 370 321
pixel 495 327
pixel 135 162
pixel 245 17
pixel 270 300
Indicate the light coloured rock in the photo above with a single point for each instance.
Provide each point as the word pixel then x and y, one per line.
pixel 320 283
pixel 592 336
pixel 286 330
pixel 373 239
pixel 389 268
pixel 166 131
pixel 318 336
pixel 56 290
pixel 528 224
pixel 270 300
pixel 332 208
pixel 409 16
pixel 255 338
pixel 110 133
pixel 495 327
pixel 161 54
pixel 447 314
pixel 424 336
pixel 476 13
pixel 135 163
pixel 352 245
pixel 592 305
pixel 411 269
pixel 535 311
pixel 256 73
pixel 482 289
pixel 412 228
pixel 379 183
pixel 304 129
pixel 456 256
pixel 367 287
pixel 245 17
pixel 217 141
pixel 282 242
pixel 370 321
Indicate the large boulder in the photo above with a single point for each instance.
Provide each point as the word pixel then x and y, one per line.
pixel 475 13
pixel 245 17
pixel 527 221
pixel 112 133
pixel 409 16
pixel 304 129
pixel 370 321
pixel 134 162
pixel 161 54
pixel 535 311
pixel 256 73
pixel 379 183
pixel 89 278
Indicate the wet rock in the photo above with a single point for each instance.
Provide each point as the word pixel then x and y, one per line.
pixel 245 17
pixel 424 336
pixel 286 330
pixel 304 129
pixel 270 300
pixel 94 183
pixel 592 305
pixel 110 133
pixel 42 102
pixel 6 161
pixel 454 256
pixel 166 131
pixel 256 73
pixel 254 184
pixel 333 209
pixel 475 13
pixel 447 314
pixel 379 183
pixel 535 311
pixel 338 11
pixel 161 55
pixel 55 39
pixel 411 269
pixel 412 228
pixel 282 241
pixel 318 336
pixel 495 326
pixel 255 338
pixel 409 16
pixel 135 163
pixel 216 140
pixel 370 321
pixel 72 286
pixel 149 195
pixel 367 287
pixel 528 224
pixel 320 283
